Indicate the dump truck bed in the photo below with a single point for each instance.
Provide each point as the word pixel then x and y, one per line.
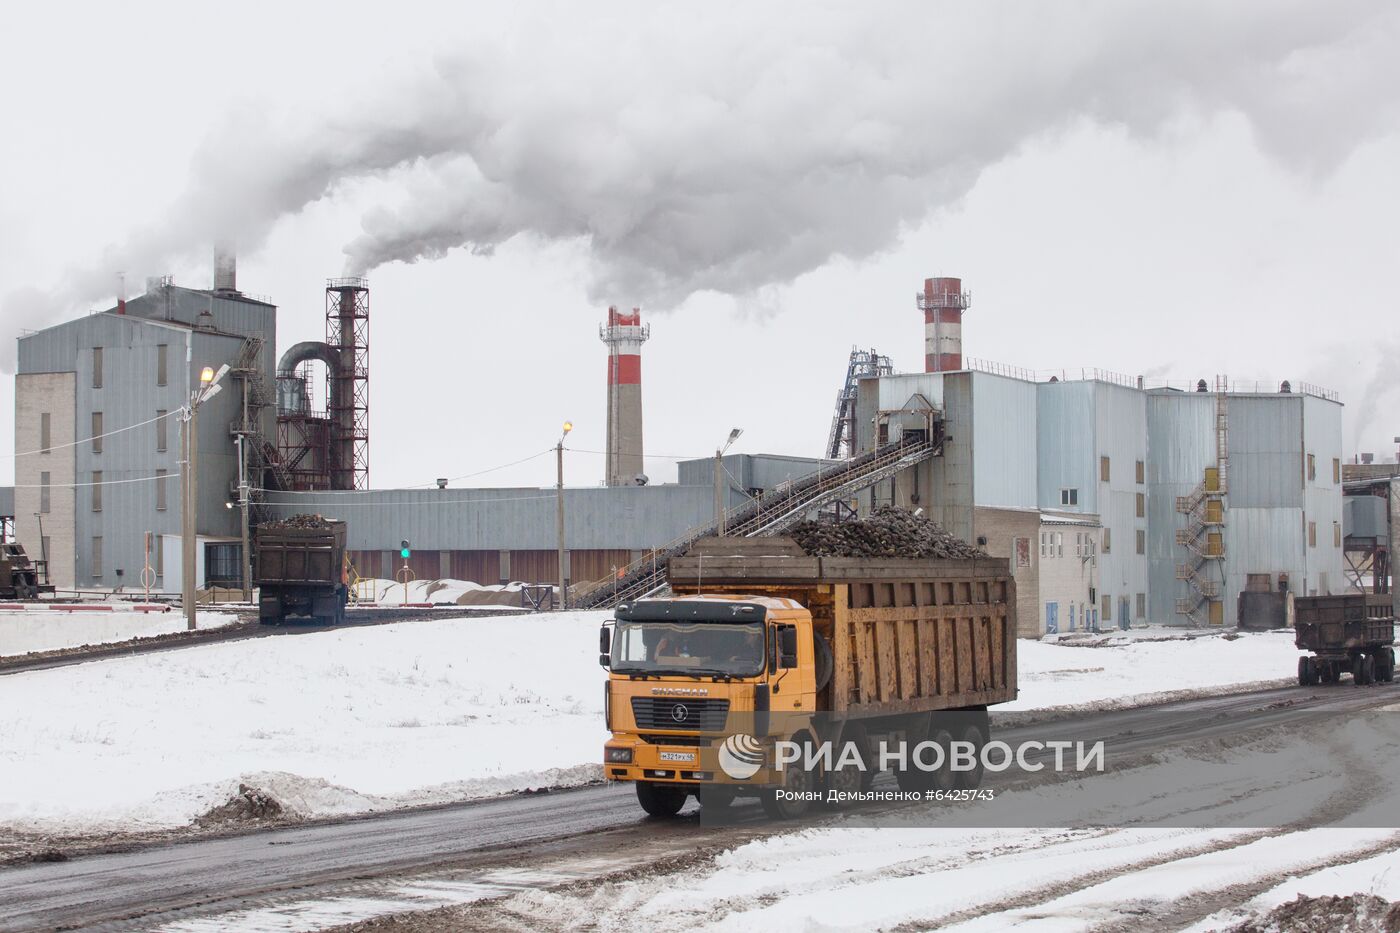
pixel 907 635
pixel 1332 626
pixel 300 556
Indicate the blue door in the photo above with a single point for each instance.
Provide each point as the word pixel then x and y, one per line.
pixel 1052 618
pixel 1124 610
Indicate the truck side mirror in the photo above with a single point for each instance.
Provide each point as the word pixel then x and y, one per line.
pixel 604 640
pixel 787 647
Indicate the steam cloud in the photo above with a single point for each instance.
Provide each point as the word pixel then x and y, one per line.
pixel 746 149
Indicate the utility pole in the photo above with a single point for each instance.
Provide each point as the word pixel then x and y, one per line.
pixel 189 498
pixel 720 525
pixel 243 505
pixel 559 512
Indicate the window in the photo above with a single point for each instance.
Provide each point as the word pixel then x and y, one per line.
pixel 97 490
pixel 1044 544
pixel 160 490
pixel 97 557
pixel 97 432
pixel 1336 534
pixel 45 432
pixel 1107 540
pixel 1336 470
pixel 1312 534
pixel 44 493
pixel 1142 605
pixel 223 564
pixel 161 431
pixel 159 558
pixel 1141 473
pixel 1142 505
pixel 1107 610
pixel 1069 497
pixel 97 367
pixel 1059 544
pixel 1103 469
pixel 162 355
pixel 1312 468
pixel 1141 541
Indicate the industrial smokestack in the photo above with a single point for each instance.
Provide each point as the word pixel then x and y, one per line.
pixel 121 292
pixel 624 334
pixel 225 269
pixel 943 302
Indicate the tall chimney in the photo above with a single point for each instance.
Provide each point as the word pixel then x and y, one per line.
pixel 225 269
pixel 624 335
pixel 121 292
pixel 943 302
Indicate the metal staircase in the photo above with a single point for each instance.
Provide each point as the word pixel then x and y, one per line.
pixel 1203 538
pixel 841 441
pixel 770 514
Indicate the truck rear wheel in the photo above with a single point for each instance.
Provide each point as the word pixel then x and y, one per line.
pixel 1387 664
pixel 976 734
pixel 1358 670
pixel 912 777
pixel 851 779
pixel 660 800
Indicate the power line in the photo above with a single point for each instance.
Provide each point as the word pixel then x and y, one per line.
pixel 88 440
pixel 453 479
pixel 360 493
pixel 105 482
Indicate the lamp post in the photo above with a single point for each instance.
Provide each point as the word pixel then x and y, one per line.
pixel 719 481
pixel 189 499
pixel 559 511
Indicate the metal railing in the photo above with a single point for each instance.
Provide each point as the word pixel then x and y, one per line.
pixel 768 514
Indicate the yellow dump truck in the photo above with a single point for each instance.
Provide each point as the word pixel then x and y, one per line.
pixel 763 649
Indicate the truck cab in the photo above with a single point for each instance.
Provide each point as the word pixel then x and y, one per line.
pixel 688 676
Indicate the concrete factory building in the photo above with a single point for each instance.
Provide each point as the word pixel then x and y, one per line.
pixel 1118 503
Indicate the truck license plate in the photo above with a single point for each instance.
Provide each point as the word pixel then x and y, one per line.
pixel 677 756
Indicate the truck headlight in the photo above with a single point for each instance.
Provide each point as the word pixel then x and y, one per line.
pixel 617 756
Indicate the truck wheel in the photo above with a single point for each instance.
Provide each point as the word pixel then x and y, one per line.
pixel 1370 669
pixel 1358 670
pixel 1304 668
pixel 798 784
pixel 1388 660
pixel 1326 672
pixel 660 800
pixel 912 777
pixel 851 779
pixel 974 732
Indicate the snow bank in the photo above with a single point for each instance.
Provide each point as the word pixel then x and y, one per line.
pixel 22 632
pixel 439 592
pixel 1129 671
pixel 410 713
pixel 350 720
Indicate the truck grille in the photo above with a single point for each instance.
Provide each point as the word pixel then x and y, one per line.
pixel 680 713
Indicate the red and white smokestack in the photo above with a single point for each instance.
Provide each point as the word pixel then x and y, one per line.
pixel 624 335
pixel 121 292
pixel 943 302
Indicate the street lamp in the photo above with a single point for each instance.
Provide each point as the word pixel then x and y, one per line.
pixel 719 476
pixel 559 511
pixel 189 498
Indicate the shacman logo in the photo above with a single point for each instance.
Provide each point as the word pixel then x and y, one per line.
pixel 741 756
pixel 679 712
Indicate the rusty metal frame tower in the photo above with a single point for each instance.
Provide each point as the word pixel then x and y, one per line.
pixel 347 332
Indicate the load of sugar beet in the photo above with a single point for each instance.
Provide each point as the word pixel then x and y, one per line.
pixel 888 532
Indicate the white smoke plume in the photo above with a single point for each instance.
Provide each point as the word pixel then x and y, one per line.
pixel 734 148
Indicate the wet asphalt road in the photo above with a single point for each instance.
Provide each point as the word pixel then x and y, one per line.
pixel 136 889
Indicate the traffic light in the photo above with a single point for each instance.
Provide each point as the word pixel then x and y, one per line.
pixel 404 549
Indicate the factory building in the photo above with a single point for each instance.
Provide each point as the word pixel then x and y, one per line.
pixel 98 427
pixel 1119 503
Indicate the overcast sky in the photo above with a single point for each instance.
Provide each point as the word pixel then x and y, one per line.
pixel 1176 190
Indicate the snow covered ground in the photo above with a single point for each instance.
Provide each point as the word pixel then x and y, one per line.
pixel 50 628
pixel 417 712
pixel 1113 873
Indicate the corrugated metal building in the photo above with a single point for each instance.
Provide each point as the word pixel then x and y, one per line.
pixel 1122 456
pixel 126 375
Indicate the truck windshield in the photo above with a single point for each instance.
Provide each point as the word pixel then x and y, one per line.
pixel 733 649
